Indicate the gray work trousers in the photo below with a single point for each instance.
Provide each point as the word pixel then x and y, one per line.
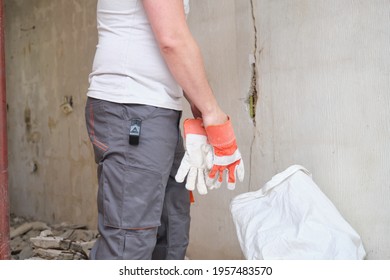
pixel 143 213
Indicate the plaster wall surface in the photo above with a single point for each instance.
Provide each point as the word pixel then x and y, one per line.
pixel 49 52
pixel 320 70
pixel 324 77
pixel 323 84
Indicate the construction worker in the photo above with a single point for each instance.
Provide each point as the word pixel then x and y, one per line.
pixel 145 60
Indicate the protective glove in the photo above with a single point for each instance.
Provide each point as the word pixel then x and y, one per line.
pixel 227 158
pixel 197 160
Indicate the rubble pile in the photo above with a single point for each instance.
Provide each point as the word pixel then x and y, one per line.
pixel 37 240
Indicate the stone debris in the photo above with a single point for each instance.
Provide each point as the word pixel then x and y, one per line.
pixel 26 227
pixel 39 241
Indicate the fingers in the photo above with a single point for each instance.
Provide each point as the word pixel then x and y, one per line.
pixel 240 171
pixel 201 183
pixel 196 179
pixel 196 176
pixel 191 179
pixel 232 173
pixel 183 169
pixel 214 180
pixel 211 177
pixel 231 186
pixel 235 171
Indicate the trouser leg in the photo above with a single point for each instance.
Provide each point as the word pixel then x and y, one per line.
pixel 132 179
pixel 173 233
pixel 116 243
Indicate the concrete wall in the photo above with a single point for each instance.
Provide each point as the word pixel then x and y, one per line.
pixel 323 85
pixel 324 75
pixel 49 52
pixel 321 73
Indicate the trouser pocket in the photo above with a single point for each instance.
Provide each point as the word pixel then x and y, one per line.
pixel 132 197
pixel 97 128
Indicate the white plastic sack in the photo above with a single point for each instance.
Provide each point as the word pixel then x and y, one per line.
pixel 290 218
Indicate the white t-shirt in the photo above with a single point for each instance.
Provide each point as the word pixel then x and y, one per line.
pixel 128 66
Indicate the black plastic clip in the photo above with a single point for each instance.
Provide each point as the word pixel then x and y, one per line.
pixel 135 131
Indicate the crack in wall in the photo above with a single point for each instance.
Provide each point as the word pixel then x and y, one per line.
pixel 253 95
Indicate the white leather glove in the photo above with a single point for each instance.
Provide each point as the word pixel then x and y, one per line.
pixel 197 160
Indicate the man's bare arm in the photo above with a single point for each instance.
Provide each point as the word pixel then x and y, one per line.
pixel 183 56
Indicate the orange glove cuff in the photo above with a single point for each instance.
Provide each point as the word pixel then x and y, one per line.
pixel 221 135
pixel 194 126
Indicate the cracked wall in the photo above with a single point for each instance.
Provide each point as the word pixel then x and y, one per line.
pixel 320 72
pixel 303 81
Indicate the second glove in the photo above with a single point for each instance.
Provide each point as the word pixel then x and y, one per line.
pixel 227 157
